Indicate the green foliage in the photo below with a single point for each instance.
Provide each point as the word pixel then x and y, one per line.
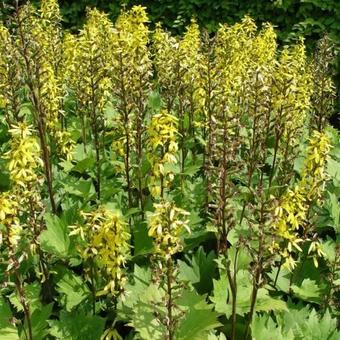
pixel 72 290
pixel 164 186
pixel 308 291
pixel 55 239
pixel 222 297
pixel 298 323
pixel 77 326
pixel 7 330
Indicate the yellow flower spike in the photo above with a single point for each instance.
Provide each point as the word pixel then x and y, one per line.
pixel 65 144
pixel 166 224
pixel 107 236
pixel 86 62
pixel 162 135
pixel 131 71
pixel 290 96
pixel 24 159
pixel 292 210
pixel 9 212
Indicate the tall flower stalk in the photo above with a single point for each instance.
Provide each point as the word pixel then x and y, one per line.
pixel 131 71
pixel 166 225
pixel 105 249
pixel 87 71
pixel 38 42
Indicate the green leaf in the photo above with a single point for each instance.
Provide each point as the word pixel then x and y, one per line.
pixel 4 180
pixel 333 169
pixel 7 330
pixel 223 302
pixel 138 309
pixel 73 290
pixel 308 291
pixel 196 324
pixel 264 327
pixel 80 188
pixel 77 326
pixel 84 165
pixel 143 243
pixel 140 289
pixel 305 323
pixel 55 239
pixel 192 169
pixel 145 323
pixel 199 318
pixel 329 248
pixel 335 211
pixel 32 294
pixel 39 322
pixel 201 270
pixel 316 328
pixel 282 279
pixel 154 101
pixel 221 294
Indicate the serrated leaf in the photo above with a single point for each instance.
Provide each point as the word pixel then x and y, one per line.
pixel 197 323
pixel 39 322
pixel 223 302
pixel 77 326
pixel 145 323
pixel 32 294
pixel 55 239
pixel 316 328
pixel 308 291
pixel 264 327
pixel 7 330
pixel 141 288
pixel 199 317
pixel 333 169
pixel 305 323
pixel 200 271
pixel 73 290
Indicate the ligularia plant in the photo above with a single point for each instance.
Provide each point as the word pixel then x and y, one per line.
pixel 166 226
pixel 106 247
pixel 161 186
pixel 292 223
pixel 162 140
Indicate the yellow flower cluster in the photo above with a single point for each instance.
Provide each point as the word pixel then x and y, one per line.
pixel 65 144
pixel 166 225
pixel 85 63
pixel 292 212
pixel 46 32
pixel 130 61
pixel 167 58
pixel 291 93
pixel 314 174
pixel 24 164
pixel 24 157
pixel 10 81
pixel 9 218
pixel 189 48
pixel 107 239
pixel 163 147
pixel 130 71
